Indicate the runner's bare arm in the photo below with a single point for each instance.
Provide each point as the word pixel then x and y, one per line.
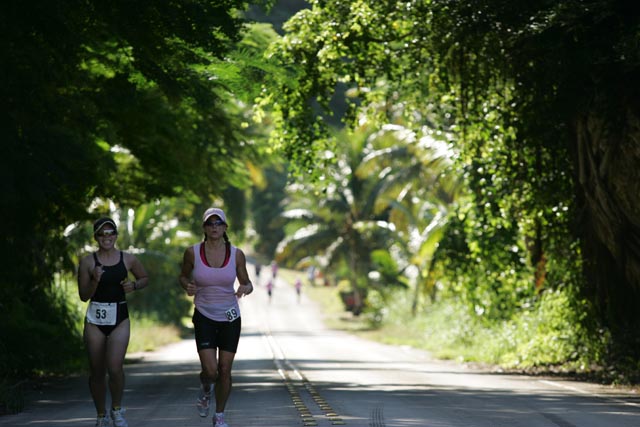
pixel 185 273
pixel 246 287
pixel 87 280
pixel 138 271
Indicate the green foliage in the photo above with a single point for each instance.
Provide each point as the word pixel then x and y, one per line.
pixel 337 220
pixel 266 204
pixel 11 396
pixel 552 332
pixel 109 102
pixel 486 268
pixel 40 335
pixel 542 75
pixel 164 299
pixel 530 95
pixel 148 334
pixel 375 307
pixel 387 269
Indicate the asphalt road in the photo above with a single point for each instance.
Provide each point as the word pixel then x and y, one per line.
pixel 291 371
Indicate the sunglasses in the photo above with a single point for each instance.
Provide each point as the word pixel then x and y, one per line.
pixel 106 233
pixel 216 222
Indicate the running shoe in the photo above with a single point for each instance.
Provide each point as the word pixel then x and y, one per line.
pixel 117 416
pixel 218 420
pixel 103 422
pixel 204 402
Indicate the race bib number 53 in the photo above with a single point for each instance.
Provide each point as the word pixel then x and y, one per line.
pixel 102 313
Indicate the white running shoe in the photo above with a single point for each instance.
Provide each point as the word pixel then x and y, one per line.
pixel 103 422
pixel 117 416
pixel 218 420
pixel 204 402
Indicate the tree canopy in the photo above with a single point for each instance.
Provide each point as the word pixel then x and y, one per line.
pixel 117 101
pixel 537 99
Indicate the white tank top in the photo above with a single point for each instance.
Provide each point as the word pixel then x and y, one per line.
pixel 215 294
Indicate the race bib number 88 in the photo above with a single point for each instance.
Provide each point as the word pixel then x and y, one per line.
pixel 102 313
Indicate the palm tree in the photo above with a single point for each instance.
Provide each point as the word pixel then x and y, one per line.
pixel 338 219
pixel 419 188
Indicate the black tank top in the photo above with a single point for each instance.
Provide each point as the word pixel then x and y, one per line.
pixel 109 288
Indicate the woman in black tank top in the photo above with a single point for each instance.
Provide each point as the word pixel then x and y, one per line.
pixel 110 290
pixel 103 280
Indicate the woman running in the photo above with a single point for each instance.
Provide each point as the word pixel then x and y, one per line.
pixel 209 271
pixel 103 278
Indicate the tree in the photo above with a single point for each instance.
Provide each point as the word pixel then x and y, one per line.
pixel 337 220
pixel 536 97
pixel 266 202
pixel 563 65
pixel 419 191
pixel 113 100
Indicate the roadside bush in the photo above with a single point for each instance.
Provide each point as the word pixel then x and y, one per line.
pixel 375 307
pixel 38 337
pixel 11 396
pixel 553 332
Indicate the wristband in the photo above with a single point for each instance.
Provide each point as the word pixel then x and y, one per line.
pixel 135 285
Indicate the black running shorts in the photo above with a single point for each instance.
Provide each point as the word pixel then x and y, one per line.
pixel 213 334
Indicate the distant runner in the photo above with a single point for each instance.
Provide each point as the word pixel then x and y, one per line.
pixel 270 289
pixel 298 286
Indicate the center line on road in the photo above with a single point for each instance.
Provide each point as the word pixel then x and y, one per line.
pixel 300 388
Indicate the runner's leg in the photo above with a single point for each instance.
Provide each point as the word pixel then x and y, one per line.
pixel 117 344
pixel 223 384
pixel 96 343
pixel 209 364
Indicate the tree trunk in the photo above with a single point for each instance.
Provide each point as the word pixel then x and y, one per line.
pixel 358 302
pixel 607 155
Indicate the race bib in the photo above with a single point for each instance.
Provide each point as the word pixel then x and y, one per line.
pixel 102 313
pixel 232 314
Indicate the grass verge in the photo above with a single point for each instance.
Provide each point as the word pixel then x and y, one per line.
pixel 148 334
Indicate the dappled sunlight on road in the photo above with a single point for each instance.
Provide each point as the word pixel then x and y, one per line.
pixel 291 371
